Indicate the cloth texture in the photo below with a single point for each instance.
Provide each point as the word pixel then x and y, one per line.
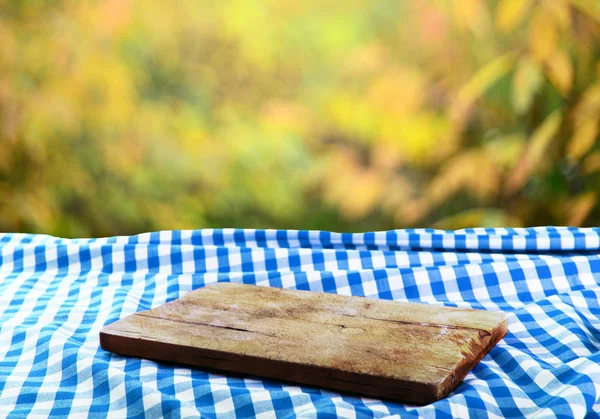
pixel 56 294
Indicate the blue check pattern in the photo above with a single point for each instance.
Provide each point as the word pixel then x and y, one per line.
pixel 56 294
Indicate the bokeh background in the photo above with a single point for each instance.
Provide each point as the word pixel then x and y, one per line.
pixel 123 116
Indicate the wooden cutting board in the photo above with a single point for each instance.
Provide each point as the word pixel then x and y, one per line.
pixel 414 353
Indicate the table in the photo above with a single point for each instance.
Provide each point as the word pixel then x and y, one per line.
pixel 56 294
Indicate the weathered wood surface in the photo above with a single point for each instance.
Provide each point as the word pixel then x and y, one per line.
pixel 414 353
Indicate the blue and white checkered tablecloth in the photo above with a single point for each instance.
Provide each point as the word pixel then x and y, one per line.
pixel 56 294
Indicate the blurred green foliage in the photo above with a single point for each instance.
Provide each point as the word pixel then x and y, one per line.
pixel 121 116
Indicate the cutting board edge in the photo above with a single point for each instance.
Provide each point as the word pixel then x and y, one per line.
pixel 320 377
pixel 460 372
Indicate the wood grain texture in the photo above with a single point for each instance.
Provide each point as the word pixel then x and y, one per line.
pixel 414 353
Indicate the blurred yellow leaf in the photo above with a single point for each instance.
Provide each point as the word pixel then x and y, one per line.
pixel 505 150
pixel 383 156
pixel 472 170
pixel 560 12
pixel 286 116
pixel 105 85
pixel 560 71
pixel 543 35
pixel 418 138
pixel 400 91
pixel 589 105
pixel 580 207
pixel 354 189
pixel 10 45
pixel 431 23
pixel 352 117
pixel 482 80
pixel 589 7
pixel 509 13
pixel 38 208
pixel 583 138
pixel 114 15
pixel 543 135
pixel 586 117
pixel 366 59
pixel 466 10
pixel 526 82
pixel 534 153
pixel 485 77
pixel 398 191
pixel 367 189
pixel 471 14
pixel 591 164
